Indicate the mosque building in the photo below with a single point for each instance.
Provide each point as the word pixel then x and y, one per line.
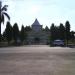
pixel 37 35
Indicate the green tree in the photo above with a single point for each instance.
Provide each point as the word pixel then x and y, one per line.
pixel 22 34
pixel 28 28
pixel 16 36
pixel 8 32
pixel 62 31
pixel 47 29
pixel 56 32
pixel 2 14
pixel 72 33
pixel 52 32
pixel 67 31
pixel 4 36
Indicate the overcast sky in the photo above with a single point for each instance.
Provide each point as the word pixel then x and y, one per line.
pixel 46 11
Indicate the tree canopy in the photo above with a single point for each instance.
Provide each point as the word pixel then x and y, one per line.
pixel 3 13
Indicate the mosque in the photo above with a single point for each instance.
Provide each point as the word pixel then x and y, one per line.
pixel 37 35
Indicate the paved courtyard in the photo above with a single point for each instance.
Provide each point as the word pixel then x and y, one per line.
pixel 37 60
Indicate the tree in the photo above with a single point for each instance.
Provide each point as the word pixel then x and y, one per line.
pixel 62 32
pixel 72 33
pixel 46 28
pixel 28 28
pixel 56 32
pixel 16 36
pixel 4 36
pixel 8 32
pixel 52 31
pixel 22 34
pixel 2 14
pixel 67 31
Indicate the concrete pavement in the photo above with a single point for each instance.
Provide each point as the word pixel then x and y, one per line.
pixel 37 60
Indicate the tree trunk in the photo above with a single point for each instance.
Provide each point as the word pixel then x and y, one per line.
pixel 0 19
pixel 67 42
pixel 0 31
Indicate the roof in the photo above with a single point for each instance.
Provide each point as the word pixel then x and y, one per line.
pixel 36 22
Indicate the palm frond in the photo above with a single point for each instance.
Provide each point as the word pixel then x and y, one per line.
pixel 6 15
pixel 4 8
pixel 2 19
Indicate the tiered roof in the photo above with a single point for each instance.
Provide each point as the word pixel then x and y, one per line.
pixel 36 22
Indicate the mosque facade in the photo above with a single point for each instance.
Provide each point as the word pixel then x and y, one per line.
pixel 37 35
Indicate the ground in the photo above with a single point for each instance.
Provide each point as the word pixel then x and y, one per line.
pixel 37 60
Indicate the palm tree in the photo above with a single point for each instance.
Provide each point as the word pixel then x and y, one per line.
pixel 2 15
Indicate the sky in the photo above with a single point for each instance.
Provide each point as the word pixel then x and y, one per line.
pixel 24 12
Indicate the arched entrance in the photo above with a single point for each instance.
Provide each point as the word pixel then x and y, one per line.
pixel 36 40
